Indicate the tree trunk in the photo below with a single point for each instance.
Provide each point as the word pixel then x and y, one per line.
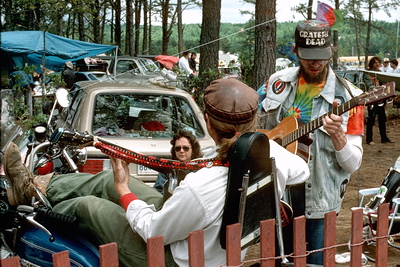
pixel 117 9
pixel 209 41
pixel 81 26
pixel 129 48
pixel 309 10
pixel 145 18
pixel 335 42
pixel 103 24
pixel 96 21
pixel 112 26
pixel 164 19
pixel 138 7
pixel 8 6
pixel 367 40
pixel 150 36
pixel 265 41
pixel 181 46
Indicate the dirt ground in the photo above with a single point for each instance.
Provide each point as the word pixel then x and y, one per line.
pixel 377 159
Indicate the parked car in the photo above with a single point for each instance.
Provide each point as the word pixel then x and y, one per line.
pixel 92 76
pixel 139 117
pixel 131 68
pixel 230 72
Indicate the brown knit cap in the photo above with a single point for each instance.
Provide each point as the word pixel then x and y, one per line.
pixel 231 101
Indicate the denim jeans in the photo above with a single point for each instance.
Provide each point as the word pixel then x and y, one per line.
pixel 314 227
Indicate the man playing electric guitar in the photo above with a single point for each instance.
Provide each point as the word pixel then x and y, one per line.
pixel 306 93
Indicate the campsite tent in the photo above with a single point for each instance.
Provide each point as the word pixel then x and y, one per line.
pixel 55 49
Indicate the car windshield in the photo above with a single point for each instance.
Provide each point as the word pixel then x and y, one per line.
pixel 143 115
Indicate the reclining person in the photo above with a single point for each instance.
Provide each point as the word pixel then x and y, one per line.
pixel 197 202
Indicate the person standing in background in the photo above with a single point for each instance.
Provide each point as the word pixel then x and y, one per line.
pixel 183 64
pixel 192 62
pixel 68 74
pixel 377 109
pixel 394 65
pixel 386 67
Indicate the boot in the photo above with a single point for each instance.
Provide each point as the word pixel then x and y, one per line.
pixel 22 187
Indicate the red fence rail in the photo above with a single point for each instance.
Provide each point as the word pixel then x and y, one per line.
pixel 155 245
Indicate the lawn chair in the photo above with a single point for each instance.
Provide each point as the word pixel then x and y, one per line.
pixel 388 192
pixel 252 191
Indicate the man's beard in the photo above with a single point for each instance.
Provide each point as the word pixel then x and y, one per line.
pixel 320 77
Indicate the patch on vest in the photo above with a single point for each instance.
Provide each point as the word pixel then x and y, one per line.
pixel 278 87
pixel 343 187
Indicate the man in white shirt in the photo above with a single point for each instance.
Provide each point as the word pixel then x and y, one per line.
pixel 183 64
pixel 394 65
pixel 386 67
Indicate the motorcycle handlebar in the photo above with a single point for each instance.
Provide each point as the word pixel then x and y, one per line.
pixel 68 137
pixel 59 217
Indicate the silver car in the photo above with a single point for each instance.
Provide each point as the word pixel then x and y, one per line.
pixel 140 117
pixel 131 68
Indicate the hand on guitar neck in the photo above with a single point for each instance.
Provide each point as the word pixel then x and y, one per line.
pixel 333 125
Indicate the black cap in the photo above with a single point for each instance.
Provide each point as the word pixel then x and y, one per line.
pixel 313 40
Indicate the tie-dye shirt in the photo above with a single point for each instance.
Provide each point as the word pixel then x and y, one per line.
pixel 305 94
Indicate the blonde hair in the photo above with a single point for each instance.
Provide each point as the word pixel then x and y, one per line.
pixel 228 133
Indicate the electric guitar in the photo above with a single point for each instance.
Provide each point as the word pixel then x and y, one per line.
pixel 293 135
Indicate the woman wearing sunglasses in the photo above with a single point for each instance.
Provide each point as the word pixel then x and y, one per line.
pixel 185 147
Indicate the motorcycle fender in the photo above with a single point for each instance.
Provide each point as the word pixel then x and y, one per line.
pixel 35 247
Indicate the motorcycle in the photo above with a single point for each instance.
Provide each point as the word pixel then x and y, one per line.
pixel 34 232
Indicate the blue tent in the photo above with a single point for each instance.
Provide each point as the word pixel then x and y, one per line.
pixel 56 49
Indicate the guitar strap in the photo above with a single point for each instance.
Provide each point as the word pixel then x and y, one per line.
pixel 343 81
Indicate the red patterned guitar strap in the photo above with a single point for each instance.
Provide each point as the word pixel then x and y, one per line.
pixel 167 165
pixel 157 164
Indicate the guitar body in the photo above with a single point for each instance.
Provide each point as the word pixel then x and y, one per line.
pixel 279 134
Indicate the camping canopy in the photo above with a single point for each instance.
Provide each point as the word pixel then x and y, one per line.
pixel 56 49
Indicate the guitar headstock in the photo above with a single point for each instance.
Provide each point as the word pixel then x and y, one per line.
pixel 377 94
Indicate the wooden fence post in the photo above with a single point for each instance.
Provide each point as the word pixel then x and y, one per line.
pixel 233 250
pixel 329 238
pixel 155 251
pixel 267 242
pixel 10 262
pixel 61 259
pixel 382 230
pixel 299 241
pixel 196 249
pixel 109 255
pixel 356 242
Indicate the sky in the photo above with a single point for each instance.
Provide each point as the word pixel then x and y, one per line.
pixel 230 12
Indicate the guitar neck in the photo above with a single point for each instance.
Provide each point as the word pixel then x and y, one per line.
pixel 314 124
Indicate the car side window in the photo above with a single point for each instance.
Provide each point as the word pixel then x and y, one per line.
pixel 127 65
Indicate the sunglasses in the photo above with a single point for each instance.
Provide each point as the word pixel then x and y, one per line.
pixel 185 148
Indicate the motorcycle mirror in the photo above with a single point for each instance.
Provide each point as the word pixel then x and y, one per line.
pixel 63 97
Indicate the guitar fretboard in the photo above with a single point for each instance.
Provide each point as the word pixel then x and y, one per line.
pixel 314 124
